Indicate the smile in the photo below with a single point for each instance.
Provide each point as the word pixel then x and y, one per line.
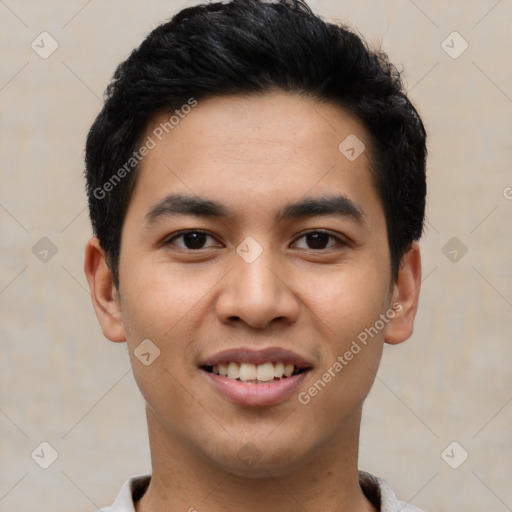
pixel 254 392
pixel 255 378
pixel 255 373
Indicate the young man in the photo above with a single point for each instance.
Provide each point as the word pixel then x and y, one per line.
pixel 256 184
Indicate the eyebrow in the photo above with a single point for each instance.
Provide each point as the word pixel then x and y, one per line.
pixel 340 206
pixel 178 204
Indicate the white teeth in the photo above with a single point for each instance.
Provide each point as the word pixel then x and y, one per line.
pixel 279 370
pixel 265 372
pixel 248 372
pixel 233 371
pixel 288 370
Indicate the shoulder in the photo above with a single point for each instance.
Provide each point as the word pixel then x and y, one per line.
pixel 380 493
pixel 130 492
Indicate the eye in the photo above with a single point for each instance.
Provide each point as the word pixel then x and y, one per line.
pixel 191 240
pixel 318 240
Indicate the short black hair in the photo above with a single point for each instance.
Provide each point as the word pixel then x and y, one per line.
pixel 252 47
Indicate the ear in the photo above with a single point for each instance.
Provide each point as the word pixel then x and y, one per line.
pixel 104 294
pixel 406 291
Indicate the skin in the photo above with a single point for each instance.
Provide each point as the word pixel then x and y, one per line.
pixel 254 154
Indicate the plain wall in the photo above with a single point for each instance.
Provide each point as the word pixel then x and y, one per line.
pixel 63 383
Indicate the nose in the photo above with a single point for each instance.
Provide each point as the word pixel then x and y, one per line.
pixel 256 293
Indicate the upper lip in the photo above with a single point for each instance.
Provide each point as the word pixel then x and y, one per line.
pixel 256 357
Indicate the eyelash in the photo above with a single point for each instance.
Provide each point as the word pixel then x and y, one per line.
pixel 340 241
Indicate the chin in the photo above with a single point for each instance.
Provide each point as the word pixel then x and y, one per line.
pixel 250 461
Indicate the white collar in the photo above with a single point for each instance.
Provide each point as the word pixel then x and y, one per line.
pixel 375 488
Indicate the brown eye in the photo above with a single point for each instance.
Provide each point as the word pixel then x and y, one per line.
pixel 317 240
pixel 192 240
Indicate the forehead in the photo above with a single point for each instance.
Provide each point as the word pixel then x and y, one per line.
pixel 257 149
pixel 272 122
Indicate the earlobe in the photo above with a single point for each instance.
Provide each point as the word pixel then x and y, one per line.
pixel 405 297
pixel 104 295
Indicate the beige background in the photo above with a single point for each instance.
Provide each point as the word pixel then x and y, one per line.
pixel 62 382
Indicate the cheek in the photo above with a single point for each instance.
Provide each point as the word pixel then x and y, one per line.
pixel 349 302
pixel 346 309
pixel 166 306
pixel 159 308
pixel 159 297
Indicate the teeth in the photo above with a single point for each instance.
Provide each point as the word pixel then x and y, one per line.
pixel 279 370
pixel 248 372
pixel 233 371
pixel 265 372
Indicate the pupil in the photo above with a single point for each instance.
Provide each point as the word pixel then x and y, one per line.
pixel 318 240
pixel 193 240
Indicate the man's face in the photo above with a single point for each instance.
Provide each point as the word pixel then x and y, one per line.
pixel 262 283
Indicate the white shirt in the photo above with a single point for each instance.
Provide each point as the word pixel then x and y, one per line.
pixel 377 490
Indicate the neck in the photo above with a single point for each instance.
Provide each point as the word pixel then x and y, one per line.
pixel 183 480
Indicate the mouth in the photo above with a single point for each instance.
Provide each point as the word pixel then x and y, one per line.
pixel 256 378
pixel 250 373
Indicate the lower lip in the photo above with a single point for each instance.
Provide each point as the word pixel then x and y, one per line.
pixel 256 395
